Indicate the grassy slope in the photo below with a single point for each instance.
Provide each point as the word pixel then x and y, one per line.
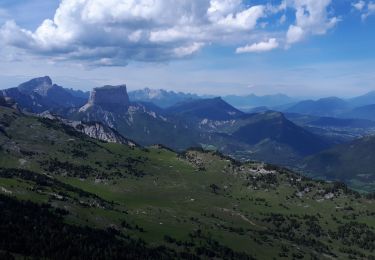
pixel 196 198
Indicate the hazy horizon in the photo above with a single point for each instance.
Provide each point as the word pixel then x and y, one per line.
pixel 204 95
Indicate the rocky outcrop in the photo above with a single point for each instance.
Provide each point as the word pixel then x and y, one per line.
pixel 95 130
pixel 108 98
pixel 99 131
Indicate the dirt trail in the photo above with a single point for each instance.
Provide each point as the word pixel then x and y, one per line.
pixel 233 213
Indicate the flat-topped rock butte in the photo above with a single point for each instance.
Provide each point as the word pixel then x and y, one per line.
pixel 109 98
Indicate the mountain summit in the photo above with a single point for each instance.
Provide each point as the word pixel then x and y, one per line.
pixel 40 94
pixel 38 85
pixel 110 98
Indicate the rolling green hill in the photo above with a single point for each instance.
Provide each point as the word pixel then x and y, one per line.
pixel 66 195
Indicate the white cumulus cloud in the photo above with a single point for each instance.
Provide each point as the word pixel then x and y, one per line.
pixel 188 50
pixel 366 9
pixel 294 34
pixel 114 32
pixel 312 18
pixel 259 47
pixel 359 5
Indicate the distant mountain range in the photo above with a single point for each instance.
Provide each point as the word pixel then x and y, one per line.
pixel 364 112
pixel 206 122
pixel 251 101
pixel 322 107
pixel 362 107
pixel 212 109
pixel 302 129
pixel 164 99
pixel 363 100
pixel 160 97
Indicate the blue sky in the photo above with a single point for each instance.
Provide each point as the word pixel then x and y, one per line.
pixel 304 48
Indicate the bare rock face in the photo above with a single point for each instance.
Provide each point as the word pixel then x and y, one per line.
pixel 102 132
pixel 109 98
pixel 94 130
pixel 37 85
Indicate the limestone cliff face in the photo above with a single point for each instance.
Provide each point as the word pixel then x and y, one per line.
pixel 109 98
pixel 102 132
pixel 95 130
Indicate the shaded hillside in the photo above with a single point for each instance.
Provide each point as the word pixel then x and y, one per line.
pixel 323 107
pixel 266 136
pixel 275 127
pixel 40 231
pixel 364 112
pixel 353 163
pixel 363 100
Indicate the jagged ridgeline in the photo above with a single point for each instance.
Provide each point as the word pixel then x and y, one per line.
pixel 65 195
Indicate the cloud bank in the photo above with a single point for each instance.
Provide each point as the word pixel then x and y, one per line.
pixel 114 32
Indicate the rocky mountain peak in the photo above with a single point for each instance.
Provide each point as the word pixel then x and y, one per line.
pixel 110 98
pixel 39 85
